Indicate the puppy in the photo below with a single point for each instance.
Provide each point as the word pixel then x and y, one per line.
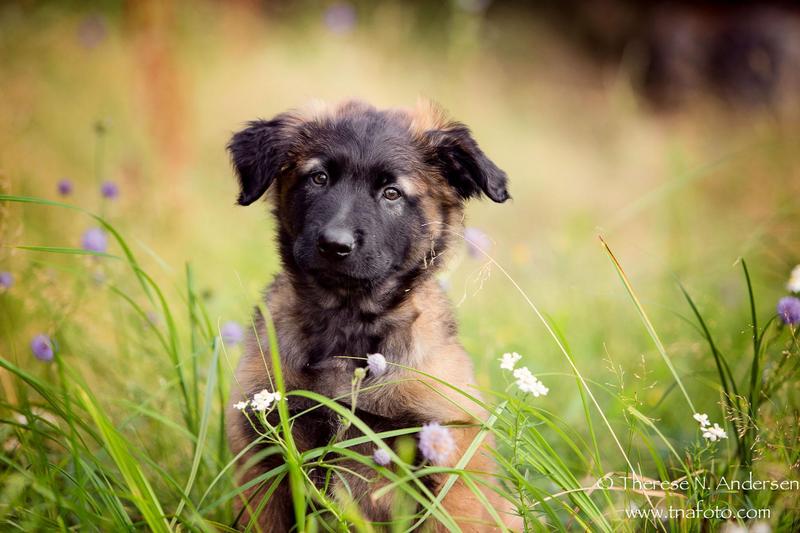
pixel 367 202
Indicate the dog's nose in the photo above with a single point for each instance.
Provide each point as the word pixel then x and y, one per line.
pixel 336 243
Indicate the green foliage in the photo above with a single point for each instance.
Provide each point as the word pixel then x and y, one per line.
pixel 84 455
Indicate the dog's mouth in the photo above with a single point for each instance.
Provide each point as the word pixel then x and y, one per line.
pixel 337 279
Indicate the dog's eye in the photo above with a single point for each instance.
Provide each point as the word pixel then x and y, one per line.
pixel 390 193
pixel 319 178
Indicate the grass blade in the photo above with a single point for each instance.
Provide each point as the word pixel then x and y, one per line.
pixel 142 493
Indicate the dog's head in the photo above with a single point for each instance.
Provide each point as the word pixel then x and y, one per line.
pixel 363 195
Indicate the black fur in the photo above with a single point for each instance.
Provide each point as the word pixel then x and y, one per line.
pixel 259 153
pixel 464 164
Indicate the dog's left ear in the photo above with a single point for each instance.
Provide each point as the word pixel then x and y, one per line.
pixel 259 154
pixel 462 162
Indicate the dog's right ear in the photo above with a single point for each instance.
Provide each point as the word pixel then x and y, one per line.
pixel 259 153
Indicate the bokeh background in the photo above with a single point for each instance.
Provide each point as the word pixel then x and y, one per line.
pixel 669 129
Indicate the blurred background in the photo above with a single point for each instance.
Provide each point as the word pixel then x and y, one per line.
pixel 671 129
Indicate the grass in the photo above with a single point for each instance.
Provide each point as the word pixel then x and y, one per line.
pixel 124 429
pixel 69 460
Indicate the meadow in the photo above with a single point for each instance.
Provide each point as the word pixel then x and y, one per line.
pixel 636 271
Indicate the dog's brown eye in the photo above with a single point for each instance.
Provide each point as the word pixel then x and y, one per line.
pixel 320 178
pixel 390 193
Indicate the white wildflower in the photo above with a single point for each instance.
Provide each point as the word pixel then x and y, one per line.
pixel 760 527
pixel 263 400
pixel 702 418
pixel 794 280
pixel 733 527
pixel 241 406
pixel 527 382
pixel 376 363
pixel 522 373
pixel 534 386
pixel 509 360
pixel 714 433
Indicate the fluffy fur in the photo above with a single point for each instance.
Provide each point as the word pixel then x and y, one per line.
pixel 328 170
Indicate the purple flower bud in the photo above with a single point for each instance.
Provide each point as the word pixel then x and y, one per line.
pixel 232 333
pixel 42 347
pixel 109 190
pixel 340 18
pixel 477 240
pixel 789 310
pixel 65 187
pixel 381 457
pixel 94 240
pixel 6 280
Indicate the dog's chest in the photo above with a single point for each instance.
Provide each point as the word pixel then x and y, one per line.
pixel 342 335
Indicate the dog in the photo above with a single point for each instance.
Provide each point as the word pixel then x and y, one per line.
pixel 367 204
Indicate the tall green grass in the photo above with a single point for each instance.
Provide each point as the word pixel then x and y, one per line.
pixel 126 432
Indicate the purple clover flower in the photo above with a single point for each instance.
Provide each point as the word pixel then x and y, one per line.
pixel 381 457
pixel 789 310
pixel 436 443
pixel 232 333
pixel 340 18
pixel 6 280
pixel 476 241
pixel 42 347
pixel 94 240
pixel 109 190
pixel 65 187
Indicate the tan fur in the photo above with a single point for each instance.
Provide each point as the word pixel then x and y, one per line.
pixel 435 353
pixel 427 115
